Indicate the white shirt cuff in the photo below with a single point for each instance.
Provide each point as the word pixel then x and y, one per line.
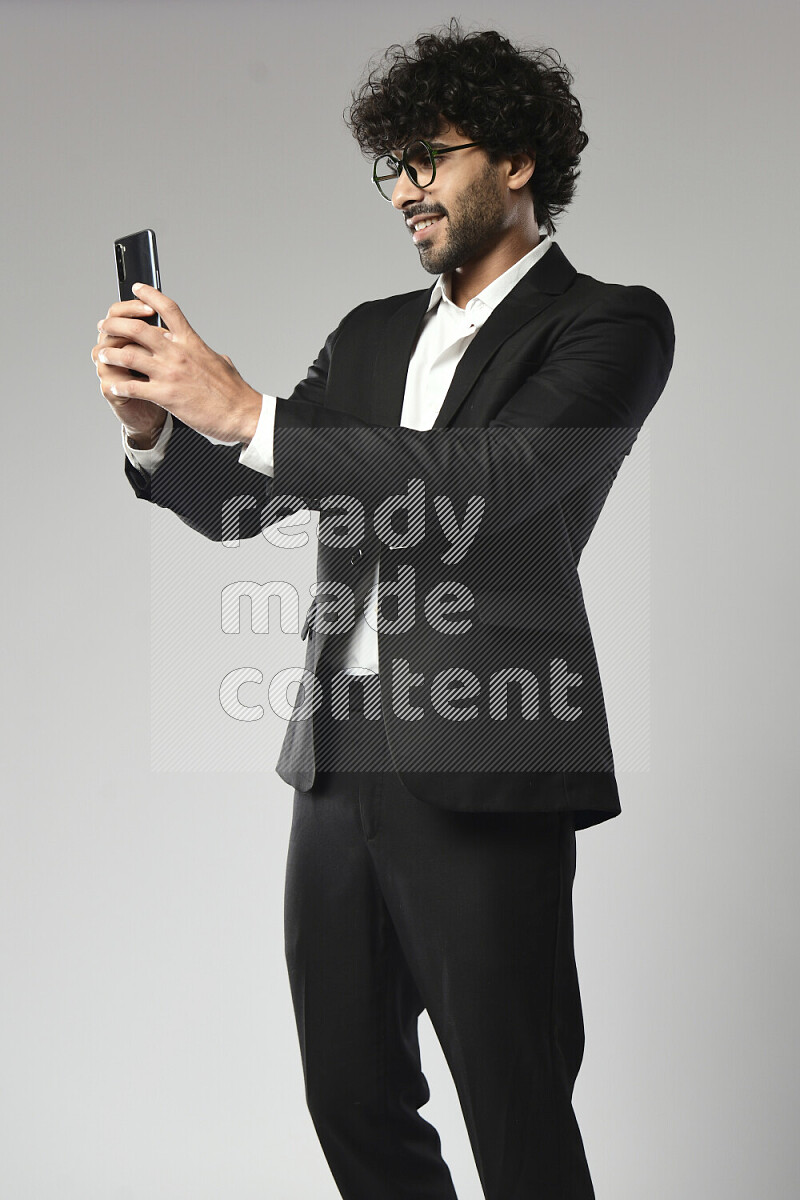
pixel 148 460
pixel 258 454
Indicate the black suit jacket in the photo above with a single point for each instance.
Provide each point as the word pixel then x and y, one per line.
pixel 499 705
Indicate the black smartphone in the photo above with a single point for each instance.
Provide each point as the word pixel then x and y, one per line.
pixel 137 262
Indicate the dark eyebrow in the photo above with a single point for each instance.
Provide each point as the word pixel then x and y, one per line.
pixel 435 145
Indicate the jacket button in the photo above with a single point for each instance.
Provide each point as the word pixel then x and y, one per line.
pixel 355 556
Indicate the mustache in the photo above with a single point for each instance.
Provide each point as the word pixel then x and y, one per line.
pixel 410 215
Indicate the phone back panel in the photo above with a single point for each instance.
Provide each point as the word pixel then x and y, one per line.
pixel 137 262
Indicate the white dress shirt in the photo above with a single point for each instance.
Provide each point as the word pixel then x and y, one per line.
pixel 446 332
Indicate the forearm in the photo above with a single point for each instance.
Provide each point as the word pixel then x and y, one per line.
pixel 206 486
pixel 236 480
pixel 514 471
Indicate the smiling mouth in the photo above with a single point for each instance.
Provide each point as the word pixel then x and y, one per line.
pixel 422 230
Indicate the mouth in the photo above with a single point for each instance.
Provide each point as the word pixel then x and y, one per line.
pixel 425 228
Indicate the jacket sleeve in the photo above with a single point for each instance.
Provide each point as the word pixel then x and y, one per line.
pixel 575 416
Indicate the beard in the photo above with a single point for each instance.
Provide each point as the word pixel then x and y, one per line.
pixel 471 228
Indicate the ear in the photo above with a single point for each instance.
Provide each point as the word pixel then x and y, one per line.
pixel 522 168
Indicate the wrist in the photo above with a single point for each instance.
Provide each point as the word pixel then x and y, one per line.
pixel 250 414
pixel 143 441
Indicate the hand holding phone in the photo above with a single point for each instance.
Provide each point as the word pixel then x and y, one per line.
pixel 136 259
pixel 184 376
pixel 142 419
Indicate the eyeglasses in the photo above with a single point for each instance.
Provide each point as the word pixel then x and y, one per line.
pixel 418 162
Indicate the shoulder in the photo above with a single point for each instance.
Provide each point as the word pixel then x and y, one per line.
pixel 623 330
pixel 381 309
pixel 593 299
pixel 366 322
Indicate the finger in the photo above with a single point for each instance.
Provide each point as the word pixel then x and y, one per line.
pixel 167 309
pixel 106 339
pixel 108 373
pixel 129 308
pixel 128 388
pixel 130 330
pixel 130 357
pixel 110 377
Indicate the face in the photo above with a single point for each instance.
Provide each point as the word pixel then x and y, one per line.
pixel 467 201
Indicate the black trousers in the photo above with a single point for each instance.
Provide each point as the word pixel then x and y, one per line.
pixel 392 907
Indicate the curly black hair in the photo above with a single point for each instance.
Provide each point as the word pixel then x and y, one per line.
pixel 509 99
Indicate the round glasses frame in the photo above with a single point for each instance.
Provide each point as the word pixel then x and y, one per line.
pixel 403 164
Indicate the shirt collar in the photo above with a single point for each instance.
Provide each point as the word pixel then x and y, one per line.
pixel 481 306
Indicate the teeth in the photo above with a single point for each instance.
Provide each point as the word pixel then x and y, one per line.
pixel 425 224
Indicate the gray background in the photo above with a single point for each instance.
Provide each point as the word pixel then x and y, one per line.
pixel 147 1039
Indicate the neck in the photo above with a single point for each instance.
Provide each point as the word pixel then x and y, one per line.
pixel 466 282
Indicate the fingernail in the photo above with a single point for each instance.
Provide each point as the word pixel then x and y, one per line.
pixel 103 356
pixel 135 287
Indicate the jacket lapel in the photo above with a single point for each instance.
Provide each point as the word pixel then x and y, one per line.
pixel 537 289
pixel 392 358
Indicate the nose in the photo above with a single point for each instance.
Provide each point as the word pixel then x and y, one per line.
pixel 406 192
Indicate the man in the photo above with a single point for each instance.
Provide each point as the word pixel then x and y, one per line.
pixel 452 738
